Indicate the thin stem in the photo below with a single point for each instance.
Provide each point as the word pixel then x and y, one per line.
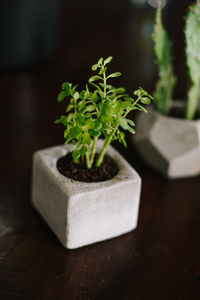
pixel 104 88
pixel 108 140
pixel 93 150
pixel 103 150
pixel 136 101
pixel 88 165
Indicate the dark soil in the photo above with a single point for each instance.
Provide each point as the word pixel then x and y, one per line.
pixel 68 168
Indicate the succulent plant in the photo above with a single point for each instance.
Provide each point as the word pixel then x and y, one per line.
pixel 163 52
pixel 192 38
pixel 162 48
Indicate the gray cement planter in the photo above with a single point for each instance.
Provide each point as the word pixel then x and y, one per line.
pixel 83 213
pixel 169 145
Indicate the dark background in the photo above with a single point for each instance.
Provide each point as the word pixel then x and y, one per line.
pixel 42 44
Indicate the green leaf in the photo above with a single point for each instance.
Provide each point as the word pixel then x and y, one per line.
pixel 94 124
pixel 74 142
pixel 121 138
pixel 94 98
pixel 67 87
pixel 141 108
pixel 129 99
pixel 107 108
pixel 108 86
pixel 94 78
pixel 75 132
pixel 61 120
pixel 97 87
pixel 94 133
pixel 131 130
pixel 95 67
pixel 70 117
pixel 123 123
pixel 83 150
pixel 145 93
pixel 108 60
pixel 66 132
pixel 100 61
pixel 116 74
pixel 81 120
pixel 86 138
pixel 57 121
pixel 89 108
pixel 97 125
pixel 67 140
pixel 76 96
pixel 76 154
pixel 102 71
pixel 82 94
pixel 118 91
pixel 61 96
pixel 69 107
pixel 137 93
pixel 145 100
pixel 130 122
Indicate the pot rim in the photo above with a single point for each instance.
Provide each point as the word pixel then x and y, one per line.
pixel 175 103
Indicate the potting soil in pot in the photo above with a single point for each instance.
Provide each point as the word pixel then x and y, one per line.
pixel 68 168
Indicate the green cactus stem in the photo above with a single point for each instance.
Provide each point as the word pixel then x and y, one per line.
pixel 192 37
pixel 162 47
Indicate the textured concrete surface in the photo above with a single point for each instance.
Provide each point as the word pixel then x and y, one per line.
pixel 83 213
pixel 169 145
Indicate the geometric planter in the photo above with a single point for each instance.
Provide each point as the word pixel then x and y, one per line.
pixel 169 145
pixel 82 213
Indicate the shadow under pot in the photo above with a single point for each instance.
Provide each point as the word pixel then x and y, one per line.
pixel 170 145
pixel 83 213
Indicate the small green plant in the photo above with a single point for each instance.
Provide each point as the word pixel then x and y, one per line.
pixel 101 111
pixel 162 48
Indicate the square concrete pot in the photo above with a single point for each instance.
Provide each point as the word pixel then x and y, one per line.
pixel 82 213
pixel 169 145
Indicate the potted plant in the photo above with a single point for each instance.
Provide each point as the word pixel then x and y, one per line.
pixel 168 139
pixel 84 195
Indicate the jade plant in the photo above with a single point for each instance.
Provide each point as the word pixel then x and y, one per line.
pixel 162 47
pixel 98 110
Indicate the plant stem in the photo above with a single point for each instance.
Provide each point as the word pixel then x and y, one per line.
pixel 108 140
pixel 88 164
pixel 93 150
pixel 103 150
pixel 104 89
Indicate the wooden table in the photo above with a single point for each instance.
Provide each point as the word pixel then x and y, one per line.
pixel 158 260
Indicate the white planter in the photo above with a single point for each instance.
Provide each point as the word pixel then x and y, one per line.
pixel 82 213
pixel 169 145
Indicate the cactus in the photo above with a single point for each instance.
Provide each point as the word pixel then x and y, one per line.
pixel 192 37
pixel 167 80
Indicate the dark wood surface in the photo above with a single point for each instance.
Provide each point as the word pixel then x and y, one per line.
pixel 158 260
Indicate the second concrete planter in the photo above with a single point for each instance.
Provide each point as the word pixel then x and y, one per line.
pixel 169 145
pixel 82 213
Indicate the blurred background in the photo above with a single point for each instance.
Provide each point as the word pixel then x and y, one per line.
pixel 46 42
